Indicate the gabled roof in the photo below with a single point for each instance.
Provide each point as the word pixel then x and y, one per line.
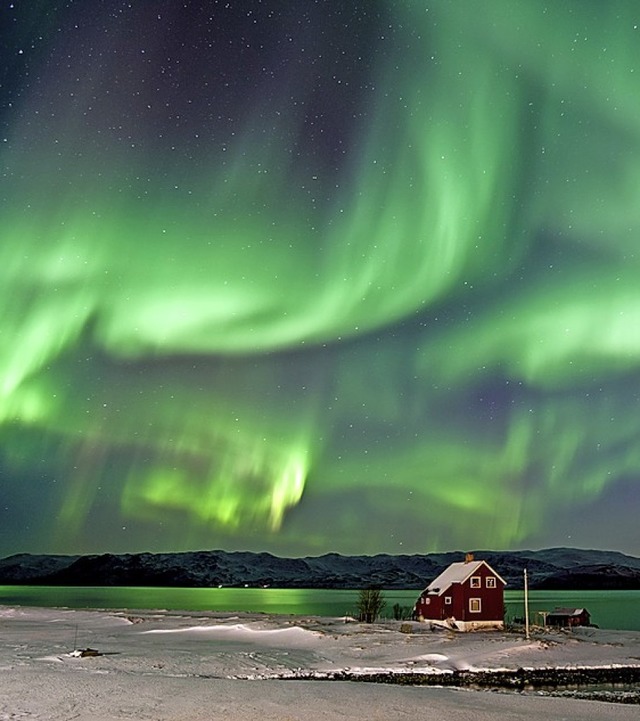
pixel 568 612
pixel 458 573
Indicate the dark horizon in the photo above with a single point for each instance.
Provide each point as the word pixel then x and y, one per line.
pixel 478 553
pixel 552 569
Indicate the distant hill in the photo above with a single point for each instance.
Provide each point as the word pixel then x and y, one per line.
pixel 553 568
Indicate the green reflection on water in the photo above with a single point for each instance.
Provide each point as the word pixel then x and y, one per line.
pixel 608 609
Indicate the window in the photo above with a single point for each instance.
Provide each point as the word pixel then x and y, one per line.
pixel 476 582
pixel 491 582
pixel 427 601
pixel 475 605
pixel 447 600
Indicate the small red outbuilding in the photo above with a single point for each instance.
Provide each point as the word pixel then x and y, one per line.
pixel 466 596
pixel 569 617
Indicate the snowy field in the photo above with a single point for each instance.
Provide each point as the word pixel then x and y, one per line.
pixel 175 666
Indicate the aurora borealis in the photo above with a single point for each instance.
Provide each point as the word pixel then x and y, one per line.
pixel 319 276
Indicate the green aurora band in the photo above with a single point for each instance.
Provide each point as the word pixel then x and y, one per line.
pixel 223 338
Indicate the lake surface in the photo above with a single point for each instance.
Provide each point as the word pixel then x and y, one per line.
pixel 608 609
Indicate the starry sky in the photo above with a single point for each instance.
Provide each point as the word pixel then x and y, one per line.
pixel 319 275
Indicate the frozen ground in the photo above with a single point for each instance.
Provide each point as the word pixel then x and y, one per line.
pixel 173 666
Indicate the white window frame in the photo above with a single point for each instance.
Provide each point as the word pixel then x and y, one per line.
pixel 490 582
pixel 476 582
pixel 475 602
pixel 448 600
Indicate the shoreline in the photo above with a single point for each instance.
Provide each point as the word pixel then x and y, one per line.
pixel 609 610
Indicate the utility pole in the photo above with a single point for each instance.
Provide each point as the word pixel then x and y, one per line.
pixel 526 605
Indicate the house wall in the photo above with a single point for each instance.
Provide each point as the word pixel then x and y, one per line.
pixel 582 619
pixel 430 607
pixel 491 599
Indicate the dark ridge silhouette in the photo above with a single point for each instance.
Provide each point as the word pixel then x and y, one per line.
pixel 553 569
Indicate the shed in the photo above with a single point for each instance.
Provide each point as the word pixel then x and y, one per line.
pixel 466 596
pixel 569 617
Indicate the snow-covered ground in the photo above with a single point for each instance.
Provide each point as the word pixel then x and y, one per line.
pixel 190 666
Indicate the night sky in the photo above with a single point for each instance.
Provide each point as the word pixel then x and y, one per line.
pixel 319 276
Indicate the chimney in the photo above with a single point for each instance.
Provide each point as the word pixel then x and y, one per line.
pixel 468 558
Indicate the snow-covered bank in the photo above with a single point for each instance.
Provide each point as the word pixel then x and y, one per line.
pixel 142 662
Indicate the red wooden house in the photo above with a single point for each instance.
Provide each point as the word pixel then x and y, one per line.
pixel 466 596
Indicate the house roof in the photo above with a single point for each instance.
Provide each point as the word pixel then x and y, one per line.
pixel 568 611
pixel 458 573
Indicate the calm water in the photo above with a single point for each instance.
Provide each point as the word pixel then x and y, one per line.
pixel 609 609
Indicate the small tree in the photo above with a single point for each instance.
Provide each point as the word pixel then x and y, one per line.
pixel 370 604
pixel 401 612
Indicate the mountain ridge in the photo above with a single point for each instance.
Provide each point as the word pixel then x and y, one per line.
pixel 553 569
